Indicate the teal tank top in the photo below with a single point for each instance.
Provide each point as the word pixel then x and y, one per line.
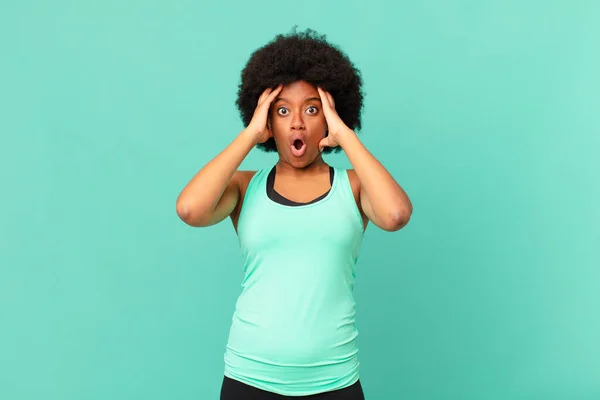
pixel 293 330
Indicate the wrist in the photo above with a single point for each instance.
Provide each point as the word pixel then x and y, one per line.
pixel 249 138
pixel 249 135
pixel 345 137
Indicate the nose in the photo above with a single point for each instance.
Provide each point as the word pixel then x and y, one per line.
pixel 297 122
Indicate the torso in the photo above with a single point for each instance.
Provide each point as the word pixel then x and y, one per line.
pixel 298 190
pixel 294 331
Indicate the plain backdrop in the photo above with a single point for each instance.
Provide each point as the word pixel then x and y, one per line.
pixel 486 112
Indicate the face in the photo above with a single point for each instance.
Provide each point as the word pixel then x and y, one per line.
pixel 298 124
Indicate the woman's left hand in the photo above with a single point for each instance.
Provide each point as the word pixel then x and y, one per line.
pixel 336 127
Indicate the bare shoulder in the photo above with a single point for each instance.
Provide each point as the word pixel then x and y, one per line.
pixel 243 179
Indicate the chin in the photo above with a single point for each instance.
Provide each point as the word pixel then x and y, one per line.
pixel 302 162
pixel 298 162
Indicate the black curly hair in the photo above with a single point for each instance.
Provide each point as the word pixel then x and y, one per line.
pixel 305 56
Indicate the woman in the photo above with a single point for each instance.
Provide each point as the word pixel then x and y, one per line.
pixel 300 222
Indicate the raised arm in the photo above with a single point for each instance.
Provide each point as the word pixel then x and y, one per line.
pixel 382 199
pixel 214 192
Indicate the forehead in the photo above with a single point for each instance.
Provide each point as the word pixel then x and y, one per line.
pixel 298 90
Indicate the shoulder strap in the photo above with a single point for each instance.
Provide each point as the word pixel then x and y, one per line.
pixel 343 184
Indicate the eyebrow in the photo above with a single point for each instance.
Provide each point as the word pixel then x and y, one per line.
pixel 306 100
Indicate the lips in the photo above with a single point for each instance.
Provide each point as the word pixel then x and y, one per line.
pixel 298 145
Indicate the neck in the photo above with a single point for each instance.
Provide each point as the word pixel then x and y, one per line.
pixel 316 167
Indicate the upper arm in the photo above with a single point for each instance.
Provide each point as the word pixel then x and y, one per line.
pixel 356 190
pixel 228 201
pixel 225 206
pixel 366 207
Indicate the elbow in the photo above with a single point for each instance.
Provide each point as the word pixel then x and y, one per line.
pixel 397 220
pixel 184 212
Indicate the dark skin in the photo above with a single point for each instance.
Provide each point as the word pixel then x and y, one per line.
pixel 297 116
pixel 297 111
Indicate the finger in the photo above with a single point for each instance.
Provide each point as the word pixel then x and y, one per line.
pixel 324 99
pixel 326 142
pixel 274 93
pixel 331 101
pixel 327 99
pixel 264 95
pixel 269 95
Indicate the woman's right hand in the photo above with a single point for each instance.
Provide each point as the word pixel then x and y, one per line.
pixel 258 125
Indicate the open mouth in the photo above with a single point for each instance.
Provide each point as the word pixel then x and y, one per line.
pixel 298 147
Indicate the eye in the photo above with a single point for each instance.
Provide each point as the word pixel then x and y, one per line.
pixel 282 111
pixel 312 110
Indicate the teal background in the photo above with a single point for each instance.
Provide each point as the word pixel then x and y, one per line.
pixel 486 112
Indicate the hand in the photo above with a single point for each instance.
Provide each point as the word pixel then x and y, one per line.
pixel 336 127
pixel 258 125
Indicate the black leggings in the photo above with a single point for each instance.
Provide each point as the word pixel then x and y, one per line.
pixel 236 390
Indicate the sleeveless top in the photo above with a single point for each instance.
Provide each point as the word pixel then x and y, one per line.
pixel 293 330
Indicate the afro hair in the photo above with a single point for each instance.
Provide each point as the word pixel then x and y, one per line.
pixel 302 56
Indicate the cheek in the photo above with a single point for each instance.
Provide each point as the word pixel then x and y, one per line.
pixel 277 127
pixel 317 129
